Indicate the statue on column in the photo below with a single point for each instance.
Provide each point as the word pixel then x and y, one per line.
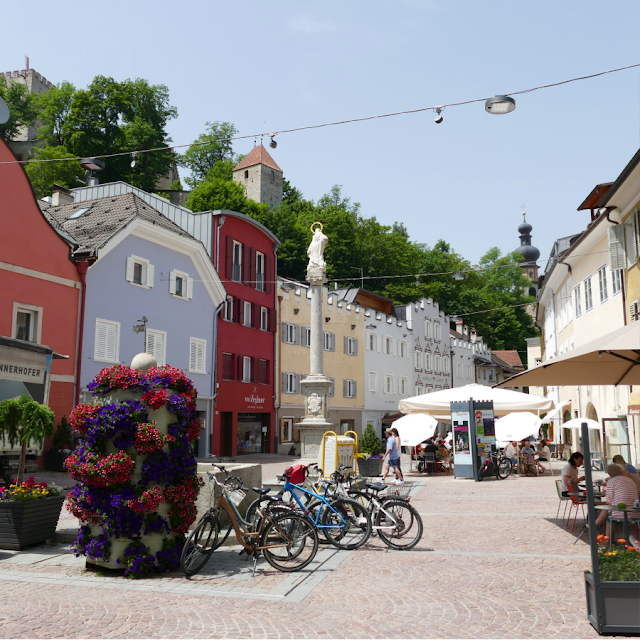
pixel 317 267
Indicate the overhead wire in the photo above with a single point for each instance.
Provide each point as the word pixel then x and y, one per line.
pixel 329 124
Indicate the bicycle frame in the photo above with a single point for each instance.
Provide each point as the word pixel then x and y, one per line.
pixel 288 486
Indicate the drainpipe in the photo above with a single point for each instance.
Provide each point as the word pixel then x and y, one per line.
pixel 82 266
pixel 214 371
pixel 277 382
pixel 220 222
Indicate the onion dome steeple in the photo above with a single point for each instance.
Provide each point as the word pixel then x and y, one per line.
pixel 529 253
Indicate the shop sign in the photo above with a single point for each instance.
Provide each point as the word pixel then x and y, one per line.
pixel 249 417
pixel 22 365
pixel 254 400
pixel 634 410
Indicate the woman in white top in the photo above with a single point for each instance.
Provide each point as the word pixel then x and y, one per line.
pixel 544 454
pixel 569 474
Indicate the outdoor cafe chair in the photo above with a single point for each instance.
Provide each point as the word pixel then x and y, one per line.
pixel 575 502
pixel 561 499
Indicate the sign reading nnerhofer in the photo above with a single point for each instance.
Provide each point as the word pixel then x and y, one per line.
pixel 21 365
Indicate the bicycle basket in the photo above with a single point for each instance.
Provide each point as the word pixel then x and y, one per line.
pixel 398 490
pixel 235 496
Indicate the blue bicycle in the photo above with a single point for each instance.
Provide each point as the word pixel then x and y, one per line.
pixel 345 523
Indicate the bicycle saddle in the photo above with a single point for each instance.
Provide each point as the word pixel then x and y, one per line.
pixel 261 490
pixel 376 486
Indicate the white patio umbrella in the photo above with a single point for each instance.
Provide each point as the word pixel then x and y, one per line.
pixel 517 426
pixel 504 400
pixel 414 428
pixel 576 423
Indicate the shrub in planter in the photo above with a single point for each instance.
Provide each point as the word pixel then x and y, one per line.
pixel 369 457
pixel 136 469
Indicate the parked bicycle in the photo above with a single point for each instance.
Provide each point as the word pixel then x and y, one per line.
pixel 287 539
pixel 495 464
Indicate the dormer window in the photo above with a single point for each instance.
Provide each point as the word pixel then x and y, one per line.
pixel 78 213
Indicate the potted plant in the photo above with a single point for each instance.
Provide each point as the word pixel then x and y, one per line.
pixel 61 446
pixel 369 457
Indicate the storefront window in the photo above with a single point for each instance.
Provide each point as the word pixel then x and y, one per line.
pixel 249 433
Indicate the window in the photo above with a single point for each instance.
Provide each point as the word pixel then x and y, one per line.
pixel 306 337
pixel 403 386
pixel 289 333
pixel 350 346
pixel 350 388
pixel 402 349
pixel 107 341
pixel 259 271
pixel 459 370
pixel 427 362
pixel 427 328
pixel 429 388
pixel 578 301
pixel 286 431
pixel 437 331
pixel 588 295
pixel 373 381
pixel 371 341
pixel 246 173
pixel 180 285
pixel 273 175
pixel 437 364
pixel 616 281
pixel 228 366
pixel 246 369
pixel 290 382
pixel 602 282
pixel 388 346
pixel 228 309
pixel 417 360
pixel 246 321
pixel 388 384
pixel 24 325
pixel 139 271
pixel 468 372
pixel 419 389
pixel 264 319
pixel 445 363
pixel 197 355
pixel 237 262
pixel 27 322
pixel 263 374
pixel 78 213
pixel 156 345
pixel 329 341
pixel 632 238
pixel 491 375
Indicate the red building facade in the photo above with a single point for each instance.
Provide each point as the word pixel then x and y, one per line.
pixel 244 254
pixel 40 287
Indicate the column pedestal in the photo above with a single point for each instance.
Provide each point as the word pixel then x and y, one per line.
pixel 316 414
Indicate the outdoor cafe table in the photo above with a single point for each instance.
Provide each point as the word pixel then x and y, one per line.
pixel 625 524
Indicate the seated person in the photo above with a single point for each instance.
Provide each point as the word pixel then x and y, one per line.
pixel 620 460
pixel 443 452
pixel 544 454
pixel 528 457
pixel 431 448
pixel 619 490
pixel 511 452
pixel 634 477
pixel 569 474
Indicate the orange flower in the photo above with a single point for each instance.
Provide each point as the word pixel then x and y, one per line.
pixel 630 548
pixel 622 541
pixel 605 538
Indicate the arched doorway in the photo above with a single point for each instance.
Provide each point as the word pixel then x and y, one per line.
pixel 566 434
pixel 595 443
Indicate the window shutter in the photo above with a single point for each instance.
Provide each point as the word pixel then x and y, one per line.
pixel 268 277
pixel 355 388
pixel 635 240
pixel 172 282
pixel 355 346
pixel 189 288
pixel 332 388
pixel 393 347
pixel 296 382
pixel 106 342
pixel 283 383
pixel 284 331
pixel 193 356
pixel 150 273
pixel 240 363
pixel 256 315
pixel 228 269
pixel 332 341
pixel 346 344
pixel 244 270
pixel 129 274
pixel 252 279
pixel 379 344
pixel 616 247
pixel 345 388
pixel 296 334
pixel 252 369
pixel 238 312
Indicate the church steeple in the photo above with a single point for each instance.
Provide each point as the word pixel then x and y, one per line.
pixel 530 254
pixel 260 176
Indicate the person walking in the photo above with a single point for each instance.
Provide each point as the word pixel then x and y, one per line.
pixel 392 454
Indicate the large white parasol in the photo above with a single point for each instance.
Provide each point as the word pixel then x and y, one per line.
pixel 517 426
pixel 414 428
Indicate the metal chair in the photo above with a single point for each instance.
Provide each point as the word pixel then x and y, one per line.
pixel 429 461
pixel 561 499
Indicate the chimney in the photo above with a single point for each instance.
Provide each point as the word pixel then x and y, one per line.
pixel 459 325
pixel 61 195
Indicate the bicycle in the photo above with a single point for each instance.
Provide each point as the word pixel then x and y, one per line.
pixel 288 541
pixel 495 464
pixel 346 524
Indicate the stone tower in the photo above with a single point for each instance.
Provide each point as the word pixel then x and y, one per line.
pixel 260 176
pixel 530 255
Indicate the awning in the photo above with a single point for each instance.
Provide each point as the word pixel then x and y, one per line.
pixel 556 414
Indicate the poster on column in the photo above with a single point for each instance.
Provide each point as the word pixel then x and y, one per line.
pixel 485 430
pixel 461 448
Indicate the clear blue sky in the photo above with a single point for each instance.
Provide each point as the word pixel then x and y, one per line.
pixel 267 66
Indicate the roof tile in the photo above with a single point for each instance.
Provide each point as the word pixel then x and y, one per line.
pixel 257 155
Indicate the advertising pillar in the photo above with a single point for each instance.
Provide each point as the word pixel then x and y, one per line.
pixel 474 436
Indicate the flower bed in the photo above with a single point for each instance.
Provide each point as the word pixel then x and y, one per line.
pixel 136 469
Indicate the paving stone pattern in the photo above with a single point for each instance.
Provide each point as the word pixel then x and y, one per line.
pixel 492 564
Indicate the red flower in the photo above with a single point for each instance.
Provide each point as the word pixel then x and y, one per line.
pixel 155 399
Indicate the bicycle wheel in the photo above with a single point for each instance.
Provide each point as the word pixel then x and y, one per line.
pixel 348 523
pixel 404 524
pixel 504 468
pixel 481 471
pixel 200 545
pixel 289 541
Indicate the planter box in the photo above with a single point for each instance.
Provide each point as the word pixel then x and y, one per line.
pixel 29 522
pixel 370 468
pixel 613 608
pixel 53 461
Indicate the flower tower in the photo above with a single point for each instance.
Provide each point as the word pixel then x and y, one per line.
pixel 135 467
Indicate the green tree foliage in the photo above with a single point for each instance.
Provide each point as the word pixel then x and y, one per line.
pixel 54 107
pixel 22 111
pixel 210 148
pixel 43 175
pixel 370 443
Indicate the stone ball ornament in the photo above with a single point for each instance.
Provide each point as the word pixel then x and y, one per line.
pixel 143 362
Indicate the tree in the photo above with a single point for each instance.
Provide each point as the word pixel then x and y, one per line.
pixel 54 107
pixel 22 112
pixel 208 149
pixel 43 175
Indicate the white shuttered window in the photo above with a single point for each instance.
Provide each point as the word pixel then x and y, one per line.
pixel 197 355
pixel 156 345
pixel 107 342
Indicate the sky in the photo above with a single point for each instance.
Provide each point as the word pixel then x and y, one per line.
pixel 270 66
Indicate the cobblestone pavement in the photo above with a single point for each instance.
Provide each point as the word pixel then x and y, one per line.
pixel 491 564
